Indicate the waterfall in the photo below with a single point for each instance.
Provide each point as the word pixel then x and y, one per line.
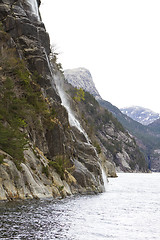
pixel 58 81
pixel 34 8
pixel 72 119
pixel 104 177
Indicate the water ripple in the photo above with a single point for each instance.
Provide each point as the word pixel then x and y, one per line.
pixel 129 210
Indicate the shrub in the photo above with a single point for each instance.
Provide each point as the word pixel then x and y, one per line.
pixel 60 164
pixel 1 159
pixel 12 141
pixel 1 26
pixel 79 95
pixel 97 146
pixel 45 170
pixel 132 165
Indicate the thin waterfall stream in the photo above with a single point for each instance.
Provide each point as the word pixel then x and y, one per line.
pixel 58 82
pixel 105 180
pixel 34 7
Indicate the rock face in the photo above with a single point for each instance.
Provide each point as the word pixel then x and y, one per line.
pixel 31 181
pixel 154 158
pixel 142 123
pixel 114 140
pixel 147 136
pixel 81 78
pixel 109 137
pixel 58 160
pixel 142 115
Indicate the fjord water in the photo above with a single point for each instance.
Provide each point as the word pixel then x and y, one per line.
pixel 128 210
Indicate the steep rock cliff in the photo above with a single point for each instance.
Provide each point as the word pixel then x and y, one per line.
pixel 41 155
pixel 109 137
pixel 118 145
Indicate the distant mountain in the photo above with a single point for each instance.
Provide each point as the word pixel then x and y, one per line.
pixel 81 78
pixel 140 114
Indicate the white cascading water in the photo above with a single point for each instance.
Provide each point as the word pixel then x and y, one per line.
pixel 104 177
pixel 72 119
pixel 34 7
pixel 58 80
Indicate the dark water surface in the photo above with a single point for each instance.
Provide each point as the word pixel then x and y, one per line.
pixel 130 209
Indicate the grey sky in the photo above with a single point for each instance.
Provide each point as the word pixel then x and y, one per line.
pixel 117 40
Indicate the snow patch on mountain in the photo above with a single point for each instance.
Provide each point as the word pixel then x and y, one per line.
pixel 143 115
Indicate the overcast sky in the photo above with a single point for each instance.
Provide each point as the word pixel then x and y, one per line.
pixel 118 41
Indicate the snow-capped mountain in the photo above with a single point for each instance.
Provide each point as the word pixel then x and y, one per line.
pixel 82 78
pixel 143 115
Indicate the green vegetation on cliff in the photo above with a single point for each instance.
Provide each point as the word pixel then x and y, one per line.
pixel 80 95
pixel 21 102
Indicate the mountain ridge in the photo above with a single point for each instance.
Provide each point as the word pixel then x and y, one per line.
pixel 141 114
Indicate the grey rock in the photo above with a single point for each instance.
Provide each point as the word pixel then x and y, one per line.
pixel 86 179
pixel 4 10
pixel 30 182
pixel 19 11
